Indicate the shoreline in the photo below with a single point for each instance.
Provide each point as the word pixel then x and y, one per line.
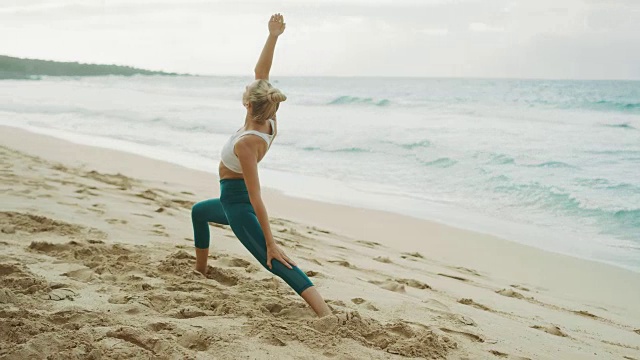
pixel 410 207
pixel 449 242
pixel 118 263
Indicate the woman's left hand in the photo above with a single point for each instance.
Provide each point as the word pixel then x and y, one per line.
pixel 274 252
pixel 276 25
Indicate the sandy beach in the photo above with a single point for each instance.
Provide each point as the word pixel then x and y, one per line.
pixel 97 263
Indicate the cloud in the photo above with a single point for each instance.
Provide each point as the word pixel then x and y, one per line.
pixel 478 38
pixel 482 27
pixel 434 32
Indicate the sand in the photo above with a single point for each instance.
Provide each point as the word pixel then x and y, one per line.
pixel 96 262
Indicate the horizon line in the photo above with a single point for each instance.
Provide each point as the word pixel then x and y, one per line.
pixel 449 77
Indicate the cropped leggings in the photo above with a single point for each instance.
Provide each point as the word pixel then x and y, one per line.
pixel 233 208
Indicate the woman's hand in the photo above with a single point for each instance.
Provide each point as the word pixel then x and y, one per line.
pixel 276 25
pixel 274 252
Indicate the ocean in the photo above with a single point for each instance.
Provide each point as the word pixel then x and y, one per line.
pixel 549 163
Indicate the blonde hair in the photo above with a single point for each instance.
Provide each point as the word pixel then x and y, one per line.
pixel 264 99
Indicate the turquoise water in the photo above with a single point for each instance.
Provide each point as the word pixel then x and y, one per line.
pixel 553 164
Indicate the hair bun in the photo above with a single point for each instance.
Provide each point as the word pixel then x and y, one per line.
pixel 275 96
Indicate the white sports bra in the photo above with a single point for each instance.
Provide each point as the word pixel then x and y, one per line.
pixel 228 156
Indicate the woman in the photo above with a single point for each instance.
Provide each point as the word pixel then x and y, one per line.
pixel 240 204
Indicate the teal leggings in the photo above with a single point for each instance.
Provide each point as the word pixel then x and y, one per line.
pixel 233 208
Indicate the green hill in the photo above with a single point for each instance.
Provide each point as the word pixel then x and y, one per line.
pixel 17 68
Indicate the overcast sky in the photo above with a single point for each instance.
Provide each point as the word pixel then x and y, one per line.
pixel 577 39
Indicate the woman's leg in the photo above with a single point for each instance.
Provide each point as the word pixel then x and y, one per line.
pixel 201 214
pixel 315 300
pixel 245 225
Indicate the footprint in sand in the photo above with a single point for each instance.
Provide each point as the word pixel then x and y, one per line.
pixel 141 339
pixel 331 322
pixel 196 340
pixel 468 335
pixel 186 204
pixel 383 259
pixel 85 191
pixel 116 221
pixel 7 296
pixel 587 314
pixel 234 262
pixel 315 261
pixel 501 354
pixel 223 276
pixel 160 326
pixel 320 230
pixel 367 305
pixel 84 275
pixel 498 353
pixel 468 271
pixel 143 215
pixel 149 195
pixel 272 339
pixel 459 278
pixel 550 329
pixel 414 283
pixel 8 229
pixel 294 312
pixel 17 278
pixel 188 312
pixel 37 224
pixel 118 180
pixel 407 255
pixel 436 305
pixel 97 208
pixel 470 302
pixel 510 293
pixel 389 285
pixel 159 233
pixel 370 244
pixel 60 294
pixel 397 337
pixel 342 263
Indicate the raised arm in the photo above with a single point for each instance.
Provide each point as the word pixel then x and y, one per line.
pixel 276 28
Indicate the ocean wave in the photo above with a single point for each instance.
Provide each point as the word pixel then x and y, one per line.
pixel 411 145
pixel 560 202
pixel 501 159
pixel 340 150
pixel 351 100
pixel 628 217
pixel 615 152
pixel 604 184
pixel 553 164
pixel 417 144
pixel 622 126
pixel 615 105
pixel 444 162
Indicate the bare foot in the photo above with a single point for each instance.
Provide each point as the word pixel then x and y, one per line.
pixel 331 322
pixel 200 273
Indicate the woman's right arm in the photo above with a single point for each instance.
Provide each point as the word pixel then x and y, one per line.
pixel 247 150
pixel 276 28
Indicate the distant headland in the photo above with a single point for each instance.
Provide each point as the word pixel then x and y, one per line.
pixel 18 68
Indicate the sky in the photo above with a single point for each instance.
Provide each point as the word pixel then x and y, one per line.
pixel 553 39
